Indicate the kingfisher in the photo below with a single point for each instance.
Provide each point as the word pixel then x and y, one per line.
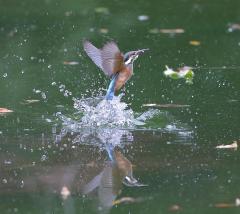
pixel 117 171
pixel 115 64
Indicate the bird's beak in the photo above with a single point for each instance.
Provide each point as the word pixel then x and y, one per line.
pixel 132 182
pixel 140 52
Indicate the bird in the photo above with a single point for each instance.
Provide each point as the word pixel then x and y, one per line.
pixel 115 64
pixel 117 171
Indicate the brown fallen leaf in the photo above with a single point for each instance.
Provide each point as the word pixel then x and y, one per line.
pixel 170 105
pixel 127 200
pixel 172 31
pixel 70 63
pixel 227 205
pixel 234 145
pixel 224 205
pixel 5 110
pixel 194 42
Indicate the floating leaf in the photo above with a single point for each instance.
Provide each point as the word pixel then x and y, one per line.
pixel 127 200
pixel 172 31
pixel 143 18
pixel 170 105
pixel 102 10
pixel 171 73
pixel 233 27
pixel 103 30
pixel 184 72
pixel 26 102
pixel 70 63
pixel 234 145
pixel 5 110
pixel 224 205
pixel 228 205
pixel 187 73
pixel 175 208
pixel 194 42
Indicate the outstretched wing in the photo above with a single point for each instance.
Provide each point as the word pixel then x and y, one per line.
pixel 109 59
pixel 94 53
pixel 112 58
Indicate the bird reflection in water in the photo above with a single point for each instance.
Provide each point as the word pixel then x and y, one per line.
pixel 108 184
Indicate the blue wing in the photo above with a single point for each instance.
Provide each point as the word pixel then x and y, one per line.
pixel 109 59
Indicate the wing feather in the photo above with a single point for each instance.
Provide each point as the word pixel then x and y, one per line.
pixel 94 53
pixel 112 58
pixel 109 58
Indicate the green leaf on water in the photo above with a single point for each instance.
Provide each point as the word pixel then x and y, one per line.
pixel 184 73
pixel 174 75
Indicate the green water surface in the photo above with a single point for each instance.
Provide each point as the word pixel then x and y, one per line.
pixel 182 170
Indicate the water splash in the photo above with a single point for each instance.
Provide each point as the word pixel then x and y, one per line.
pixel 103 122
pixel 105 113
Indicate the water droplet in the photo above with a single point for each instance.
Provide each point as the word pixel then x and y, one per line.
pixel 7 162
pixel 43 95
pixel 43 158
pixel 22 184
pixel 48 120
pixel 4 181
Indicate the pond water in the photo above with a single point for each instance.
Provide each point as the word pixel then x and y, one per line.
pixel 64 149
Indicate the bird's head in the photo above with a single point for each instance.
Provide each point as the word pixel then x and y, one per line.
pixel 130 56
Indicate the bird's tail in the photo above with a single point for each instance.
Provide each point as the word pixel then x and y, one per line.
pixel 110 152
pixel 110 91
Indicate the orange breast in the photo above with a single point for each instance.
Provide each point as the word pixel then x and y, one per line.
pixel 123 77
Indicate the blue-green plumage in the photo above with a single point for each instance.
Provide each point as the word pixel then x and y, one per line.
pixel 113 63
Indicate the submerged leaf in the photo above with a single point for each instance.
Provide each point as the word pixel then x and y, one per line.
pixel 154 30
pixel 102 10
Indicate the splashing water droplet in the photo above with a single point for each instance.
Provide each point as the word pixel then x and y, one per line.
pixel 43 158
pixel 43 95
